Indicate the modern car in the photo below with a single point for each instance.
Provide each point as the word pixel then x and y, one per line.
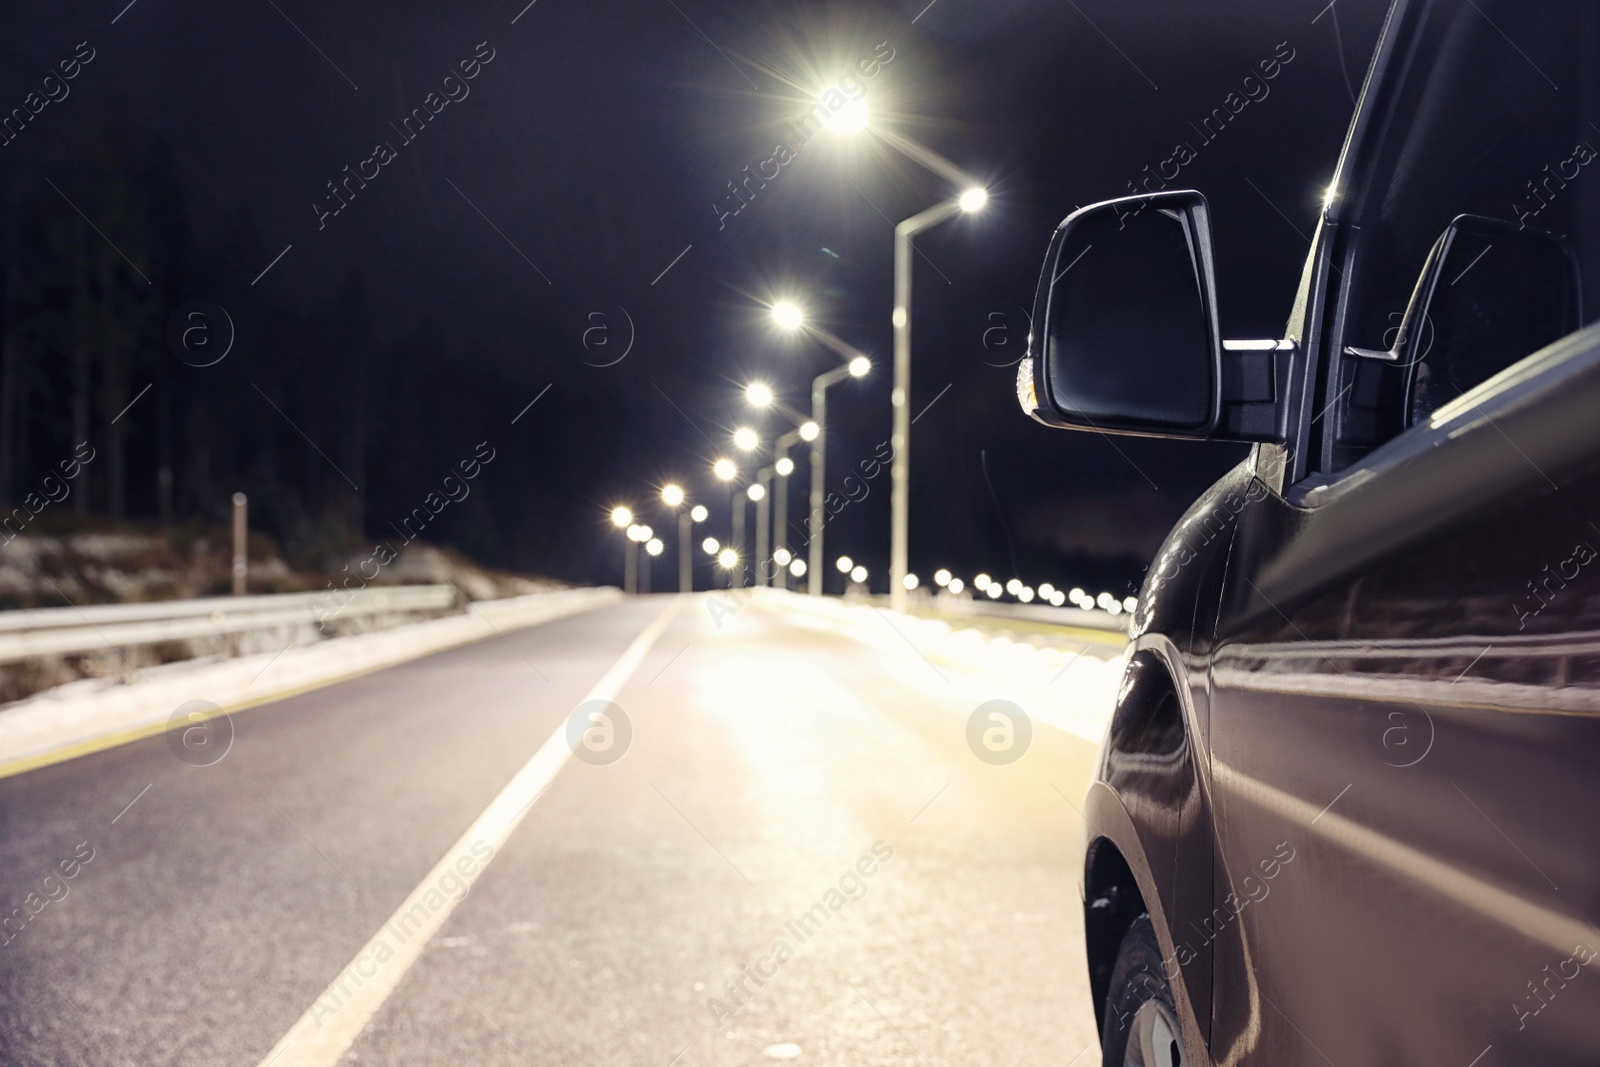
pixel 1344 812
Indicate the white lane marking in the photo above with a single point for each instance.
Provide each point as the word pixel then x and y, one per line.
pixel 331 1025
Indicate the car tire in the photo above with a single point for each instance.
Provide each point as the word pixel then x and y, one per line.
pixel 1141 1027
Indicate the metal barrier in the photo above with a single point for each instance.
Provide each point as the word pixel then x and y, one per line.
pixel 62 631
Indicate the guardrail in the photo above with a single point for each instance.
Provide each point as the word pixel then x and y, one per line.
pixel 40 632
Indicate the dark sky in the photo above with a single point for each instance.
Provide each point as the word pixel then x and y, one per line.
pixel 589 154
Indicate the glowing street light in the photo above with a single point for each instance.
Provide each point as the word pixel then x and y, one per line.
pixel 860 367
pixel 788 315
pixel 756 491
pixel 941 577
pixel 672 496
pixel 858 574
pixel 759 394
pixel 782 557
pixel 900 394
pixel 956 585
pixel 711 546
pixel 698 513
pixel 745 439
pixel 809 431
pixel 910 582
pixel 797 567
pixel 844 563
pixel 621 516
pixel 725 470
pixel 981 583
pixel 654 546
pixel 728 558
pixel 852 118
pixel 784 467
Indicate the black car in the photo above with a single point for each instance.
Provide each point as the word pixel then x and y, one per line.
pixel 1346 808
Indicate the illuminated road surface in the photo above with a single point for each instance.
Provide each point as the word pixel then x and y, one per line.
pixel 788 782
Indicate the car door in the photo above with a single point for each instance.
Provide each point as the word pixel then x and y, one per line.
pixel 1405 714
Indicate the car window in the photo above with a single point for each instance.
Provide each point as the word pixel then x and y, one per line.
pixel 1493 116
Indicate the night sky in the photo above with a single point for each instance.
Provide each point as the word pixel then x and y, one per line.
pixel 579 179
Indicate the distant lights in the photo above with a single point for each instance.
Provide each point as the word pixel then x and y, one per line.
pixel 981 583
pixel 787 315
pixel 973 199
pixel 809 430
pixel 745 439
pixel 671 495
pixel 910 581
pixel 621 516
pixel 1025 594
pixel 728 558
pixel 941 577
pixel 1014 587
pixel 698 513
pixel 654 546
pixel 992 590
pixel 798 568
pixel 1058 598
pixel 956 585
pixel 860 366
pixel 844 563
pixel 784 467
pixel 711 546
pixel 756 491
pixel 758 393
pixel 1129 603
pixel 724 469
pixel 782 557
pixel 858 574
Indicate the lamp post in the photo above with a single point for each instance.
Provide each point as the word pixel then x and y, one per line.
pixel 789 316
pixel 758 493
pixel 856 368
pixel 727 471
pixel 782 467
pixel 686 519
pixel 622 519
pixel 900 396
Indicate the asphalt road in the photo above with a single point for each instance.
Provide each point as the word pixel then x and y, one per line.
pixel 772 765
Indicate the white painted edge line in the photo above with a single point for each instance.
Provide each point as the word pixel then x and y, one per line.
pixel 334 1021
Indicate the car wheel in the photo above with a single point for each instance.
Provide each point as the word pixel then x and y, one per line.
pixel 1141 1025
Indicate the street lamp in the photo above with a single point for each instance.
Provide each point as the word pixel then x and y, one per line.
pixel 672 496
pixel 758 493
pixel 622 519
pixel 745 439
pixel 788 315
pixel 972 200
pixel 856 368
pixel 759 394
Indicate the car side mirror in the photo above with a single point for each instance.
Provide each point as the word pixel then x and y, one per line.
pixel 1126 334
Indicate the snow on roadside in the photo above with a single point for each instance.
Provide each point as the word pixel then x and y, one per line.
pixel 93 713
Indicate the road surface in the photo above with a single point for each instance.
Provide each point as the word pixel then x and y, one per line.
pixel 785 783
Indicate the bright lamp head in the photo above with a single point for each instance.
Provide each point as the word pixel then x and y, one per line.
pixel 758 393
pixel 784 466
pixel 724 469
pixel 745 439
pixel 672 495
pixel 621 517
pixel 787 315
pixel 809 431
pixel 698 513
pixel 860 366
pixel 973 199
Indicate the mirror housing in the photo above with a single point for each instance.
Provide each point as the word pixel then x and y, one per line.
pixel 1126 336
